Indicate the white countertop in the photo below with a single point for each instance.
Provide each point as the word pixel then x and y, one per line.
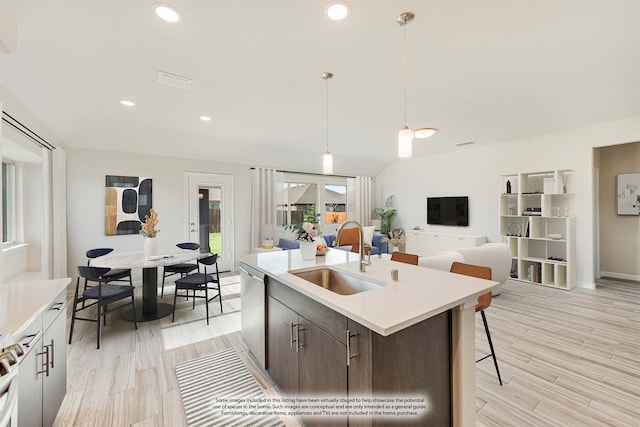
pixel 20 303
pixel 420 292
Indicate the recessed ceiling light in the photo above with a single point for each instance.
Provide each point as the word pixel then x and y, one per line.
pixel 337 10
pixel 205 118
pixel 127 103
pixel 167 13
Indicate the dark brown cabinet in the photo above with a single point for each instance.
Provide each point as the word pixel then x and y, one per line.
pixel 315 351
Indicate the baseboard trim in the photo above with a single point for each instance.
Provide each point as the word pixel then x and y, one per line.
pixel 586 285
pixel 624 276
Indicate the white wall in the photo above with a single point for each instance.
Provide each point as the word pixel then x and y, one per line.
pixel 86 170
pixel 475 171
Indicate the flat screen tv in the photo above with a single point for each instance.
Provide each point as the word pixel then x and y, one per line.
pixel 448 210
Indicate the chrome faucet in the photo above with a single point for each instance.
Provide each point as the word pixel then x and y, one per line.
pixel 336 242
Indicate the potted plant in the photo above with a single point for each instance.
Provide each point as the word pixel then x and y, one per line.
pixel 306 233
pixel 386 215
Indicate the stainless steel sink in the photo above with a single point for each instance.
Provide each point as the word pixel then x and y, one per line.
pixel 336 281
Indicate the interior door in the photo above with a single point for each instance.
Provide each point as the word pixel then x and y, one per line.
pixel 210 215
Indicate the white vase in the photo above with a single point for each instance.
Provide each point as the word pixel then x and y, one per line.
pixel 308 250
pixel 395 248
pixel 150 246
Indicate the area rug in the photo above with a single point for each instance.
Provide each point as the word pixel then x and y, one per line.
pixel 209 382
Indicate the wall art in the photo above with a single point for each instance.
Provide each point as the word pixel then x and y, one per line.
pixel 127 200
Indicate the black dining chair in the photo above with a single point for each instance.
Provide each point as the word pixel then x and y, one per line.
pixel 101 295
pixel 115 274
pixel 182 268
pixel 200 282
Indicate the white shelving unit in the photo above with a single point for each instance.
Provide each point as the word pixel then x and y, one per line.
pixel 535 222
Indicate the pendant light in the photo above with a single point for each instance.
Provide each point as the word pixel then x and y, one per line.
pixel 327 158
pixel 406 135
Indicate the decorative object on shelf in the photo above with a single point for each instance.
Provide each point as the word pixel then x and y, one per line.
pixel 386 215
pixel 628 190
pixel 327 158
pixel 565 179
pixel 508 187
pixel 396 239
pixel 514 229
pixel 554 236
pixel 406 135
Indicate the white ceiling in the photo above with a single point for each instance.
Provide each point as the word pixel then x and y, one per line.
pixel 485 71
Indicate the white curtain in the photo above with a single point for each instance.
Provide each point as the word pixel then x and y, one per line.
pixel 359 199
pixel 264 202
pixel 59 209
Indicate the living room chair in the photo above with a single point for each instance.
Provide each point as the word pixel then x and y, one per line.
pixel 101 295
pixel 183 268
pixel 404 257
pixel 484 301
pixel 199 282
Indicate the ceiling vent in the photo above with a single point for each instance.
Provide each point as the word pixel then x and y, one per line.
pixel 173 80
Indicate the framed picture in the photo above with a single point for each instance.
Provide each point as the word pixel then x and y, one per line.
pixel 127 201
pixel 628 191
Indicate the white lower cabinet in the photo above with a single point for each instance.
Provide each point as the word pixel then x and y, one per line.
pixel 426 243
pixel 43 371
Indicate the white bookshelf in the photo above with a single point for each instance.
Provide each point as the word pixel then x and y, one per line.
pixel 536 223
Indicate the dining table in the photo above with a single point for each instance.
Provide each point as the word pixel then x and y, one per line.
pixel 151 309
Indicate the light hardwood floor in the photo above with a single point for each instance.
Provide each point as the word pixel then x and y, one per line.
pixel 566 359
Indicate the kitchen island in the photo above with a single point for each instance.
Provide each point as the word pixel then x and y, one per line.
pixel 411 337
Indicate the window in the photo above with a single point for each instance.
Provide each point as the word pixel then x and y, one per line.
pixel 299 199
pixel 305 195
pixel 8 202
pixel 335 204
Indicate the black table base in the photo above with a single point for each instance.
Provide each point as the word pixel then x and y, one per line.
pixel 163 310
pixel 151 309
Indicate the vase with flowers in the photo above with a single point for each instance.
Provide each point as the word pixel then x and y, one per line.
pixel 306 233
pixel 149 231
pixel 396 239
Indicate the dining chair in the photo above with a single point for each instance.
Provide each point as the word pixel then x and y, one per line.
pixel 115 274
pixel 484 301
pixel 101 295
pixel 404 257
pixel 182 268
pixel 199 282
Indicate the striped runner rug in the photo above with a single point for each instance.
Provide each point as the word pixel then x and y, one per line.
pixel 207 381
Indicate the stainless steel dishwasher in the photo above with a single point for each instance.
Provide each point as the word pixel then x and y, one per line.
pixel 253 324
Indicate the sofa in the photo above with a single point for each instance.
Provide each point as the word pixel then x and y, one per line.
pixel 347 241
pixel 497 256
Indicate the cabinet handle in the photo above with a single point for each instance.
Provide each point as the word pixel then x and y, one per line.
pixel 299 346
pixel 349 355
pixel 291 326
pixel 57 306
pixel 45 363
pixel 52 354
pixel 34 338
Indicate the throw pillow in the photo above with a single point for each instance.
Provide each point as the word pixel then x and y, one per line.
pixel 368 235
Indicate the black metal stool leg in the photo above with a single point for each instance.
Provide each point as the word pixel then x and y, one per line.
pixel 493 353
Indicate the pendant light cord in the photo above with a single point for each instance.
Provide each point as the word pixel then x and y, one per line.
pixel 327 114
pixel 404 65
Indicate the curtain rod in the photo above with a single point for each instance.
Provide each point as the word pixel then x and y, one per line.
pixel 311 173
pixel 8 119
